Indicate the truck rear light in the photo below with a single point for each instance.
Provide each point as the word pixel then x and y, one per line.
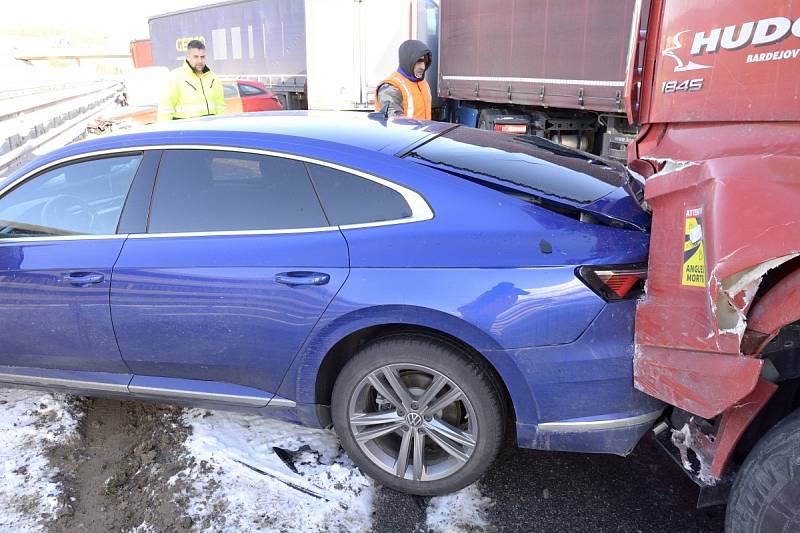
pixel 511 128
pixel 620 282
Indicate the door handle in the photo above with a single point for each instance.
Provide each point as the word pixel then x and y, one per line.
pixel 302 277
pixel 83 279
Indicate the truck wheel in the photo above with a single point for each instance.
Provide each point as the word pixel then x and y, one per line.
pixel 766 493
pixel 417 415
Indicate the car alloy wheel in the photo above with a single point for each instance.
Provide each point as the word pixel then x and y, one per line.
pixel 413 422
pixel 418 414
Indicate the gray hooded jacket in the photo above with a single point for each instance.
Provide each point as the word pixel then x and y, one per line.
pixel 409 53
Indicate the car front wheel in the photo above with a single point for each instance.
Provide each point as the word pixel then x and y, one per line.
pixel 417 415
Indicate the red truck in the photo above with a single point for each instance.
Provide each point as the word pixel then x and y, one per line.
pixel 715 87
pixel 141 53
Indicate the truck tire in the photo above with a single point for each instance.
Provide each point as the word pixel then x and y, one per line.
pixel 418 415
pixel 766 494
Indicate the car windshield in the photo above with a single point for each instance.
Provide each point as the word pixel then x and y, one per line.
pixel 523 162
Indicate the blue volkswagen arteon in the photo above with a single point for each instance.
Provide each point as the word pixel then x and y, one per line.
pixel 420 286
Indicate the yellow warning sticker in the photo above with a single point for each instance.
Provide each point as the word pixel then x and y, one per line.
pixel 694 257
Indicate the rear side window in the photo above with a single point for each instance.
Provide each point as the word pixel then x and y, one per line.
pixel 351 199
pixel 81 198
pixel 249 90
pixel 206 190
pixel 229 91
pixel 522 162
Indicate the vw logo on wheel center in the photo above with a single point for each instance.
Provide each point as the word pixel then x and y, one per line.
pixel 414 419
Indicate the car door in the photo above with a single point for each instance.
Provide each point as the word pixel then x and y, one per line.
pixel 256 99
pixel 233 103
pixel 237 265
pixel 58 243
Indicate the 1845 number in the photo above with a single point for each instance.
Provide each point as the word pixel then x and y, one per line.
pixel 688 86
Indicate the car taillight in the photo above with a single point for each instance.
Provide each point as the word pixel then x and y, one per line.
pixel 620 282
pixel 511 128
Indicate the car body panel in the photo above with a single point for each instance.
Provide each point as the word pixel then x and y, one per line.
pixel 48 321
pixel 221 292
pixel 105 384
pixel 343 131
pixel 200 318
pixel 203 390
pixel 593 371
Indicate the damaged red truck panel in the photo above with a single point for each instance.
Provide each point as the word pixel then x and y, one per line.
pixel 718 98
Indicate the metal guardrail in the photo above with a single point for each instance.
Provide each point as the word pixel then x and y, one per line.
pixel 45 127
pixel 30 90
pixel 92 88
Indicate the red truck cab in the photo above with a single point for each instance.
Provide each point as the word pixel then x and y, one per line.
pixel 716 89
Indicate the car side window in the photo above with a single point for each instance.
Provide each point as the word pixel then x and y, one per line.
pixel 351 199
pixel 249 90
pixel 81 198
pixel 215 190
pixel 229 91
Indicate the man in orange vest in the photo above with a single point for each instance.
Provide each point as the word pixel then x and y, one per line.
pixel 405 91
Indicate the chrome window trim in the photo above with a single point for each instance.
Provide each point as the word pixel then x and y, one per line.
pixel 593 425
pixel 45 168
pixel 50 238
pixel 48 166
pixel 240 233
pixel 420 210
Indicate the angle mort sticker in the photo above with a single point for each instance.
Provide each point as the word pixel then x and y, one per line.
pixel 694 255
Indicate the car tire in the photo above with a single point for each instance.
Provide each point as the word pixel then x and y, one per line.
pixel 447 446
pixel 766 492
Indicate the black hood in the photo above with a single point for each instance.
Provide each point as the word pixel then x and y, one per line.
pixel 410 52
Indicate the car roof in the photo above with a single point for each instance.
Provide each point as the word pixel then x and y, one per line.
pixel 250 82
pixel 361 131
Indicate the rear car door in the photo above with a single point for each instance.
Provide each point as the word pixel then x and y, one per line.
pixel 256 99
pixel 58 244
pixel 236 267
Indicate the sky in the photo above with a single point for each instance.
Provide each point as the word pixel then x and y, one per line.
pixel 124 21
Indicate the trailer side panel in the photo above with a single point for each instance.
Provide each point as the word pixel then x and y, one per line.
pixel 556 53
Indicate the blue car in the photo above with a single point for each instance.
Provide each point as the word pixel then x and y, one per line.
pixel 422 287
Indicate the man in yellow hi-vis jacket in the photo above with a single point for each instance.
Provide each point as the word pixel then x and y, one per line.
pixel 193 90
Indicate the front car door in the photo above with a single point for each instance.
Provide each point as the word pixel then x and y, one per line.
pixel 237 265
pixel 58 244
pixel 233 102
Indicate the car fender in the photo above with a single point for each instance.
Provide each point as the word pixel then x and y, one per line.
pixel 300 381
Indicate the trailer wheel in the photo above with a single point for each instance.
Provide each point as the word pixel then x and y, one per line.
pixel 766 493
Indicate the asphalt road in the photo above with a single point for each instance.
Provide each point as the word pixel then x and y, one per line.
pixel 552 492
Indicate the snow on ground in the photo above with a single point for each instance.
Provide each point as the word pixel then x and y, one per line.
pixel 242 484
pixel 30 422
pixel 465 510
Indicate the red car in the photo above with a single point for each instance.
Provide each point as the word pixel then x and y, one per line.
pixel 143 86
pixel 254 96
